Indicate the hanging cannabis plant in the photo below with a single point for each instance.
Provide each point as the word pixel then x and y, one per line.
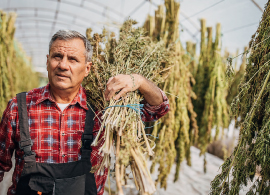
pixel 16 73
pixel 233 88
pixel 252 105
pixel 211 88
pixel 177 131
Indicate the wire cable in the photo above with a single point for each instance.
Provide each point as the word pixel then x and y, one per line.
pixel 136 9
pixel 257 5
pixel 203 10
pixel 240 27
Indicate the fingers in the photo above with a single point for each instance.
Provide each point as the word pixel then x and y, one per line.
pixel 109 87
pixel 110 79
pixel 111 90
pixel 125 83
pixel 121 93
pixel 114 84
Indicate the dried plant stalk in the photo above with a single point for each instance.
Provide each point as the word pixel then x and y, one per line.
pixel 251 105
pixel 133 53
pixel 178 130
pixel 211 88
pixel 15 65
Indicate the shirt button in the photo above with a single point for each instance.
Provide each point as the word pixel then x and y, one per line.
pixel 63 155
pixel 63 134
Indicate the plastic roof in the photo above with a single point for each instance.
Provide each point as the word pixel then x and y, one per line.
pixel 38 20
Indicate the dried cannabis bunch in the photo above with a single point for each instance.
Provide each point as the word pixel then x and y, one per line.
pixel 252 104
pixel 233 91
pixel 134 53
pixel 178 130
pixel 211 88
pixel 15 65
pixel 124 129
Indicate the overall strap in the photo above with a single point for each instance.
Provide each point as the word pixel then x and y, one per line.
pixel 87 136
pixel 25 140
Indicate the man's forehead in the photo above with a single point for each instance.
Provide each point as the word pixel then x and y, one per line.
pixel 76 45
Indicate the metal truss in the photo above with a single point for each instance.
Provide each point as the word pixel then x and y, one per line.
pixel 36 24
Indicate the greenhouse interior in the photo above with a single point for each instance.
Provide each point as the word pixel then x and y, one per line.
pixel 135 97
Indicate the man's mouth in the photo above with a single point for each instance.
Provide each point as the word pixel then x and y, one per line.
pixel 62 75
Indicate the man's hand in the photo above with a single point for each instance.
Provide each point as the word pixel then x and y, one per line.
pixel 122 83
pixel 127 83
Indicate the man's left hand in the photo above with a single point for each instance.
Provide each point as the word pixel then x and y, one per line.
pixel 123 84
pixel 127 83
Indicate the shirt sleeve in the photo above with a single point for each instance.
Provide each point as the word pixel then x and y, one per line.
pixel 153 113
pixel 7 145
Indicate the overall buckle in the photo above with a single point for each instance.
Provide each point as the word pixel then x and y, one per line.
pixel 26 146
pixel 87 141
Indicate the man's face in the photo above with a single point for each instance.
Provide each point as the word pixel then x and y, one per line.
pixel 66 64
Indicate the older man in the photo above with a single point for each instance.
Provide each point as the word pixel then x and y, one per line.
pixel 51 127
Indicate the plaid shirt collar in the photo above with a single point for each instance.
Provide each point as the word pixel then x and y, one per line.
pixel 80 98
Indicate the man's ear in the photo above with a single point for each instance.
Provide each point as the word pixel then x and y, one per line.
pixel 47 61
pixel 87 68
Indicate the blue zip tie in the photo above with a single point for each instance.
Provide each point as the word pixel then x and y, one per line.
pixel 132 106
pixel 151 126
pixel 152 136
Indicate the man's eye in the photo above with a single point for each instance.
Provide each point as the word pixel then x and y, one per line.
pixel 57 57
pixel 73 60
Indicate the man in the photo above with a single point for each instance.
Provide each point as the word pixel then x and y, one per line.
pixel 50 127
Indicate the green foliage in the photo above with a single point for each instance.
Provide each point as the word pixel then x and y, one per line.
pixel 16 73
pixel 133 53
pixel 252 106
pixel 177 130
pixel 211 88
pixel 236 80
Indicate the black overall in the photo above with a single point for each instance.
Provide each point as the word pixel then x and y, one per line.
pixel 72 178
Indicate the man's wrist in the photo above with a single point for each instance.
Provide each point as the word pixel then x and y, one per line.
pixel 139 80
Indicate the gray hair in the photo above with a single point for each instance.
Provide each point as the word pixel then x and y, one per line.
pixel 72 34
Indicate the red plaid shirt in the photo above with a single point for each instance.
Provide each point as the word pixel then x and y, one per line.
pixel 56 135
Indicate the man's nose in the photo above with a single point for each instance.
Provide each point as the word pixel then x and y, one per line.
pixel 63 64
